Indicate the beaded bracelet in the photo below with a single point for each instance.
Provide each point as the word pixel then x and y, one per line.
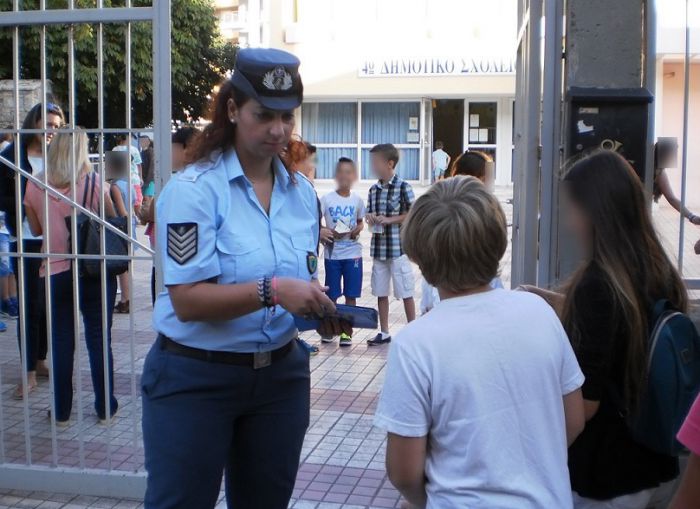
pixel 265 292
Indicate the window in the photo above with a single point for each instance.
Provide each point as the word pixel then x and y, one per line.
pixel 332 127
pixel 395 123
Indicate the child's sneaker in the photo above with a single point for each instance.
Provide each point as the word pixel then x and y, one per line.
pixel 345 340
pixel 3 326
pixel 379 339
pixel 326 339
pixel 10 307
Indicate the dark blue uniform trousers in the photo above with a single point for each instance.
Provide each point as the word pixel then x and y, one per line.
pixel 201 419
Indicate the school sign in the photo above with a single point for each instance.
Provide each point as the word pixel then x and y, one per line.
pixel 435 66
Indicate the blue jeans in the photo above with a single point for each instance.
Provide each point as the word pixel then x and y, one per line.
pixel 63 340
pixel 201 419
pixel 34 304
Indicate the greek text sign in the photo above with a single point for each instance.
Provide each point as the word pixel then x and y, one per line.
pixel 435 66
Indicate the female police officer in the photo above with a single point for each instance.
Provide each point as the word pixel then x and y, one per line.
pixel 225 387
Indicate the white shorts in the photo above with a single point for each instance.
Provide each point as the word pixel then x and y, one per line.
pixel 397 270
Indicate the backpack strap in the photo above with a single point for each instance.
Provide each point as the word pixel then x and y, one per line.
pixel 659 308
pixel 85 192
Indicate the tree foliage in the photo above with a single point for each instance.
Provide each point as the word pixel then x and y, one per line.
pixel 200 59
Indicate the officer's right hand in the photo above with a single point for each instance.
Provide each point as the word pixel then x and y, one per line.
pixel 302 297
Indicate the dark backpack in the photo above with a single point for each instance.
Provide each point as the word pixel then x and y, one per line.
pixel 672 381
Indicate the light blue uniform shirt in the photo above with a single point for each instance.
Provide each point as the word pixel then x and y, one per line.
pixel 236 243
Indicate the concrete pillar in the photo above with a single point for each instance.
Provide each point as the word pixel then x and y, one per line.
pixel 605 43
pixel 606 47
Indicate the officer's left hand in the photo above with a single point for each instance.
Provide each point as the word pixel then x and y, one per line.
pixel 334 327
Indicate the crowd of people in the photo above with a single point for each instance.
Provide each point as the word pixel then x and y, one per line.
pixel 525 398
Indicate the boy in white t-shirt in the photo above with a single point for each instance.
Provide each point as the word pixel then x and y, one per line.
pixel 482 395
pixel 343 213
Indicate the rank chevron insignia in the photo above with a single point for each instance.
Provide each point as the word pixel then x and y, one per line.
pixel 182 241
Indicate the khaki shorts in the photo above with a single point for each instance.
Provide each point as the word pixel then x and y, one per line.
pixel 398 271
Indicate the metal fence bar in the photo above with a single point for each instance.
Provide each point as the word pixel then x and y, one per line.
pixel 47 235
pixel 684 154
pixel 527 146
pixel 551 138
pixel 22 330
pixel 161 108
pixel 79 16
pixel 132 346
pixel 74 243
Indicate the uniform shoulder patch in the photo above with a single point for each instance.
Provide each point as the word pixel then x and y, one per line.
pixel 182 241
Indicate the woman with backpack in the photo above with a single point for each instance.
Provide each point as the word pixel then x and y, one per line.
pixel 67 178
pixel 607 313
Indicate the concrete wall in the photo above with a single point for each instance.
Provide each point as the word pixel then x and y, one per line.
pixel 333 38
pixel 29 95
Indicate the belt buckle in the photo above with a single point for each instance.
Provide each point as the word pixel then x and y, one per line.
pixel 262 359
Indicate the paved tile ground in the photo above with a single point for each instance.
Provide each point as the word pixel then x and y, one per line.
pixel 343 456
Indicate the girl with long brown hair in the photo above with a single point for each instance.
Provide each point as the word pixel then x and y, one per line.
pixel 606 312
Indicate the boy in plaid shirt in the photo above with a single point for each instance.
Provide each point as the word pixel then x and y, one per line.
pixel 389 202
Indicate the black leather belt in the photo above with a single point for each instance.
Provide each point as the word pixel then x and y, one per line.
pixel 255 360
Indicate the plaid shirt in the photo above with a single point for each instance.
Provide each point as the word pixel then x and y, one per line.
pixel 390 199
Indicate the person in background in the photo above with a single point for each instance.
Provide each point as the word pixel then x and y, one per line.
pixel 118 171
pixel 688 494
pixel 182 140
pixel 31 160
pixel 307 167
pixel 469 164
pixel 343 213
pixel 441 161
pixel 389 201
pixel 136 167
pixel 9 306
pixel 5 270
pixel 62 176
pixel 482 394
pixel 606 312
pixel 147 161
pixel 662 187
pixel 5 139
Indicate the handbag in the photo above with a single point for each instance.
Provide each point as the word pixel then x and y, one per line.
pixel 89 237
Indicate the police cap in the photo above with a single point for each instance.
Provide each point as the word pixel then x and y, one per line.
pixel 270 76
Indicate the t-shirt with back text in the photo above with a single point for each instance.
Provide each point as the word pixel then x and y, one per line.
pixel 348 210
pixel 483 376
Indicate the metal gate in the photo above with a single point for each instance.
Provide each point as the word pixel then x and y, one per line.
pixel 86 456
pixel 539 141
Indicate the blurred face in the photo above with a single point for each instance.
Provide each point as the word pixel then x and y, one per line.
pixel 381 168
pixel 261 132
pixel 345 176
pixel 577 222
pixel 144 143
pixel 53 123
pixel 178 151
pixel 308 167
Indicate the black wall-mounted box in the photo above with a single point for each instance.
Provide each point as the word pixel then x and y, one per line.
pixel 611 119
